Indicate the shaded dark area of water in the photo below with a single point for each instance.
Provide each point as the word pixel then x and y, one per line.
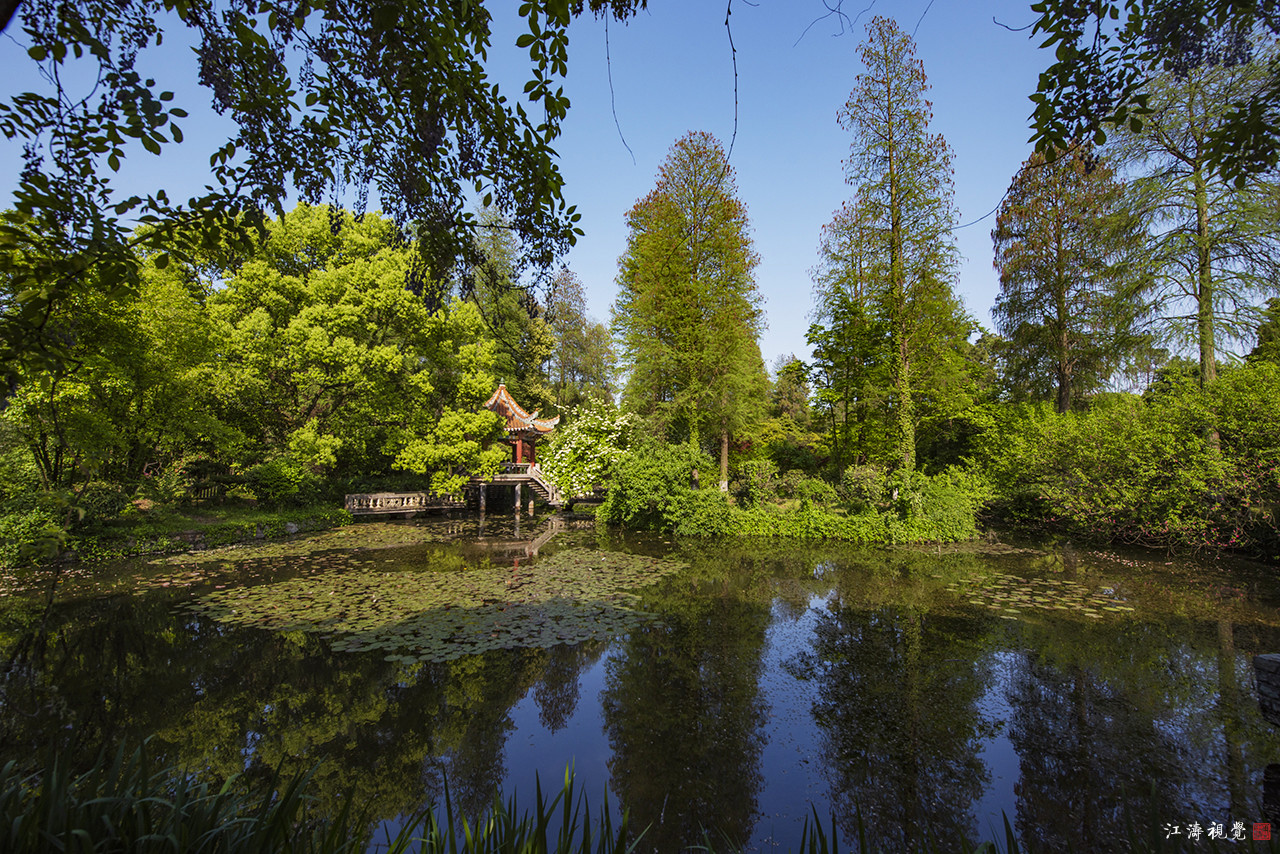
pixel 1079 692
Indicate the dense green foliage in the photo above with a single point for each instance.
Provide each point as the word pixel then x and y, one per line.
pixel 1066 307
pixel 688 314
pixel 584 453
pixel 287 374
pixel 1138 470
pixel 654 488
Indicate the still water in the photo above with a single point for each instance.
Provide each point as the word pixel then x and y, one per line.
pixel 1074 690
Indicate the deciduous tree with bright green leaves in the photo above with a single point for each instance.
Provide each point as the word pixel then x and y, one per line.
pixel 688 314
pixel 325 357
pixel 131 394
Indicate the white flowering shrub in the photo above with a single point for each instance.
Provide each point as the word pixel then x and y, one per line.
pixel 582 454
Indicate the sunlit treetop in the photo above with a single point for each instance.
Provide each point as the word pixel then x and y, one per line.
pixel 327 97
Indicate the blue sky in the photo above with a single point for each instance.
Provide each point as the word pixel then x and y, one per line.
pixel 672 72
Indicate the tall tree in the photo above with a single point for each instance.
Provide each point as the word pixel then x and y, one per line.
pixel 790 394
pixel 1110 54
pixel 516 319
pixel 1214 242
pixel 688 313
pixel 582 361
pixel 848 342
pixel 1059 242
pixel 901 215
pixel 323 95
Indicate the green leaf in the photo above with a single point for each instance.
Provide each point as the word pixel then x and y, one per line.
pixel 38 53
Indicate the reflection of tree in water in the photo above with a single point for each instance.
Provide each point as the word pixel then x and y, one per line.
pixel 1087 758
pixel 121 670
pixel 470 722
pixel 1132 724
pixel 898 694
pixel 683 714
pixel 557 691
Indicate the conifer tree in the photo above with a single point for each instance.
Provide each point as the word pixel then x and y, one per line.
pixel 1061 239
pixel 1213 242
pixel 688 314
pixel 904 257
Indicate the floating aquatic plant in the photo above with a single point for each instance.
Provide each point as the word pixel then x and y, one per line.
pixel 568 597
pixel 1011 595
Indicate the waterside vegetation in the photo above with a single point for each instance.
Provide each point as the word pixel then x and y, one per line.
pixel 272 366
pixel 125 803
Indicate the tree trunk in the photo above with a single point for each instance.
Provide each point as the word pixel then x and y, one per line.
pixel 724 459
pixel 906 408
pixel 1204 285
pixel 1204 298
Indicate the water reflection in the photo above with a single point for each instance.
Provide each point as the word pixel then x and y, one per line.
pixel 908 697
pixel 683 713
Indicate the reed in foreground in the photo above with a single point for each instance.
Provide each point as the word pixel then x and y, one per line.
pixel 123 804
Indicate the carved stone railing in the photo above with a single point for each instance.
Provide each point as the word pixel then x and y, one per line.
pixel 363 504
pixel 515 468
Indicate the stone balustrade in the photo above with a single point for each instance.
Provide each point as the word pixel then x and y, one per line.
pixel 363 504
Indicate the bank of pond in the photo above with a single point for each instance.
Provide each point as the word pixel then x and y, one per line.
pixel 913 698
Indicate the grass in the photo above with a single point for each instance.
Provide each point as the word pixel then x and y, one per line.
pixel 165 529
pixel 122 804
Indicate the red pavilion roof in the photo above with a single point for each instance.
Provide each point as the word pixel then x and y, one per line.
pixel 518 420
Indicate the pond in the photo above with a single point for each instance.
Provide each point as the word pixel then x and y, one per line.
pixel 738 687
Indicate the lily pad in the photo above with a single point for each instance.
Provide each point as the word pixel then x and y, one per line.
pixel 568 597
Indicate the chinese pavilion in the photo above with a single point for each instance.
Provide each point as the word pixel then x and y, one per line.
pixel 524 429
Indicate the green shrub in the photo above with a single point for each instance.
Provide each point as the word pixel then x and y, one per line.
pixel 30 535
pixel 815 491
pixel 283 481
pixel 862 486
pixel 700 513
pixel 651 491
pixel 169 485
pixel 1142 471
pixel 789 482
pixel 757 482
pixel 938 508
pixel 101 501
pixel 651 485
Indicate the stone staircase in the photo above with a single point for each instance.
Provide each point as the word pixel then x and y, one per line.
pixel 545 489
